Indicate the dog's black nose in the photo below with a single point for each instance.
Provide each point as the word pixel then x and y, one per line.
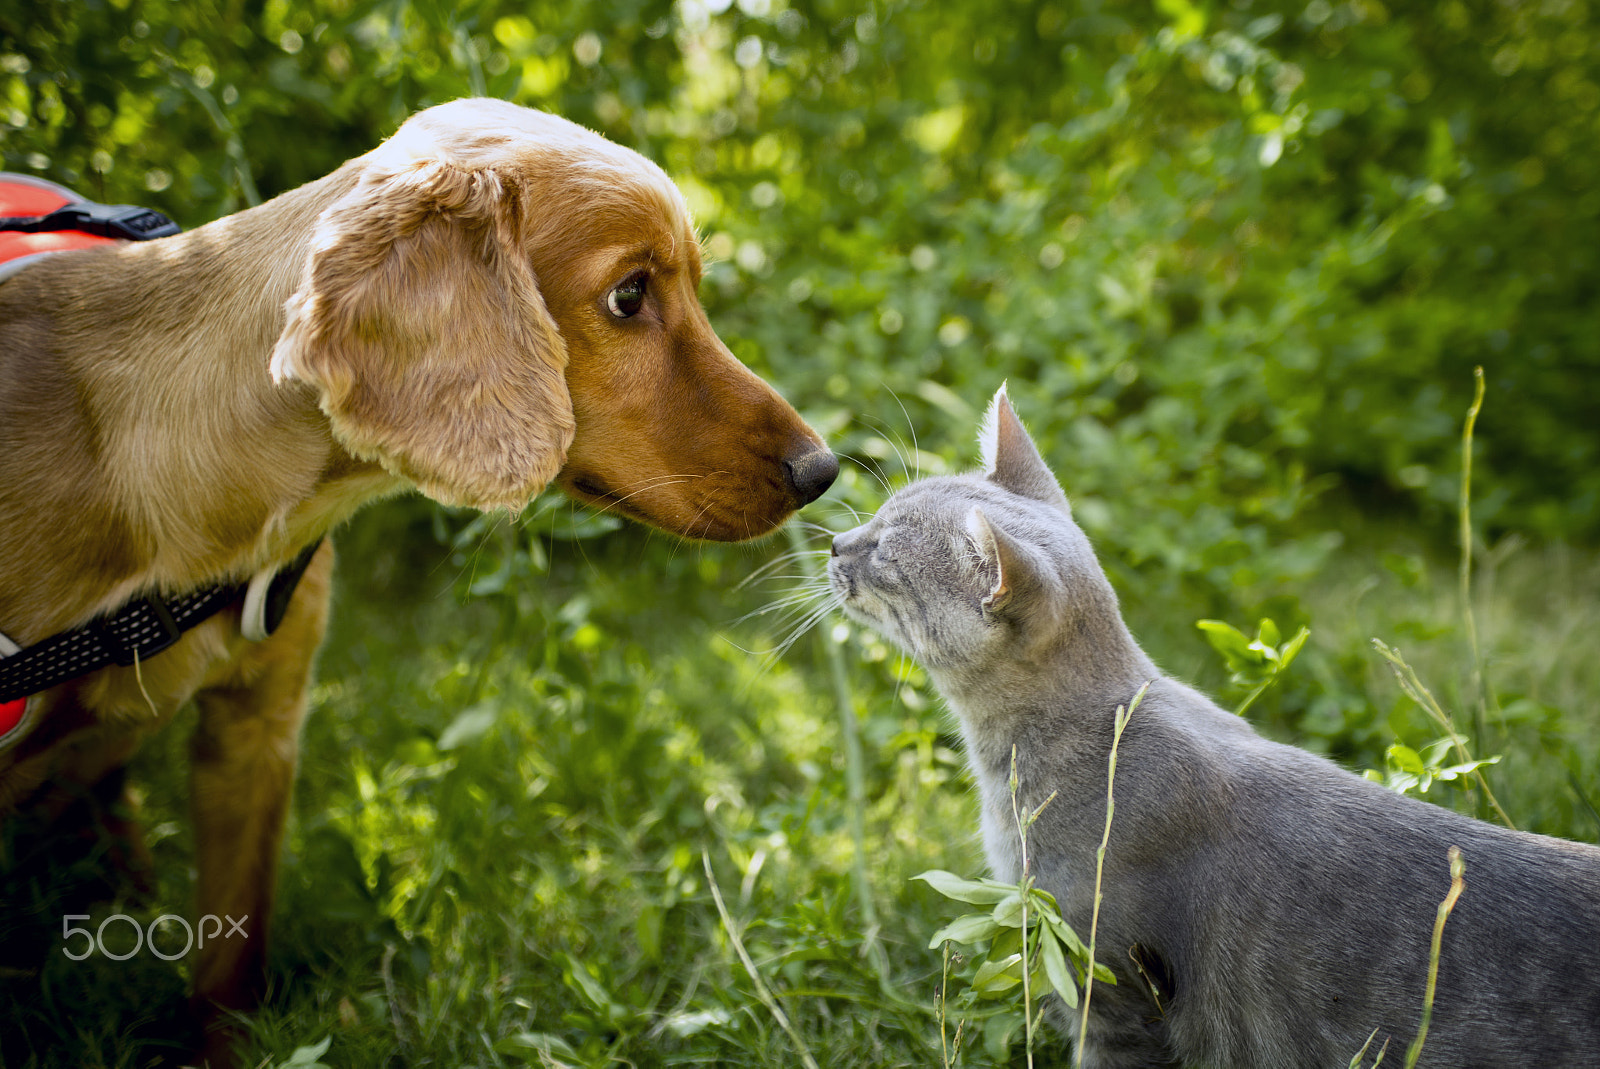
pixel 811 473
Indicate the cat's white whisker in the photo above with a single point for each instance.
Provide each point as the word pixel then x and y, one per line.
pixel 764 571
pixel 786 605
pixel 872 468
pixel 806 622
pixel 895 442
pixel 911 428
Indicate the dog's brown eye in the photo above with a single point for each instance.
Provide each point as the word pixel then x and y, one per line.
pixel 626 300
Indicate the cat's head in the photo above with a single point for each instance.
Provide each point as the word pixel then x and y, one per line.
pixel 961 570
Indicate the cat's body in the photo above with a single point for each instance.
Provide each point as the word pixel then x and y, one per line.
pixel 1263 908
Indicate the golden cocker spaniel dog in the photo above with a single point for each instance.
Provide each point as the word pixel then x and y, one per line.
pixel 492 300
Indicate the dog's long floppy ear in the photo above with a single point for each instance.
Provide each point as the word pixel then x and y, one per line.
pixel 1010 458
pixel 424 330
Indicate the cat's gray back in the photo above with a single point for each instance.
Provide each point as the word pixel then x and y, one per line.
pixel 1279 908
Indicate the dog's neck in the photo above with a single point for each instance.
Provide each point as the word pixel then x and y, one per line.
pixel 137 412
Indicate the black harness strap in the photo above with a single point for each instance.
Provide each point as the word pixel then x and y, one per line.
pixel 104 220
pixel 136 632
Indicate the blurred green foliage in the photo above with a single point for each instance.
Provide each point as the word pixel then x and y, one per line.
pixel 1224 250
pixel 1236 260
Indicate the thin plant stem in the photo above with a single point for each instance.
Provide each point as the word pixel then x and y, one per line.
pixel 855 776
pixel 1026 886
pixel 1420 694
pixel 1022 833
pixel 1479 683
pixel 1577 789
pixel 762 991
pixel 1254 694
pixel 1457 885
pixel 1361 1055
pixel 1123 715
pixel 944 985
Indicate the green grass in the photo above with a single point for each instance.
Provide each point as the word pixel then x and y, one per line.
pixel 504 801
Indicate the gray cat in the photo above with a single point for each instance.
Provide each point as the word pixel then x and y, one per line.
pixel 1263 908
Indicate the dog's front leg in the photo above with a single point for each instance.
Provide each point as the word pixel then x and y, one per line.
pixel 242 770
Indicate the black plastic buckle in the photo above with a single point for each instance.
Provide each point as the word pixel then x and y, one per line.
pixel 126 656
pixel 126 221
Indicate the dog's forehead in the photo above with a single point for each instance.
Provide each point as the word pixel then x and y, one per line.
pixel 599 209
pixel 486 133
pixel 481 132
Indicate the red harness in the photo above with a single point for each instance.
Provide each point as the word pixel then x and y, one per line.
pixel 11 715
pixel 23 195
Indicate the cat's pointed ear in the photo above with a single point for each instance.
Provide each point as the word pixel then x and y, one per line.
pixel 1004 557
pixel 1010 458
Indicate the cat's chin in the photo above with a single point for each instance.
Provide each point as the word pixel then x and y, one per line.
pixel 861 619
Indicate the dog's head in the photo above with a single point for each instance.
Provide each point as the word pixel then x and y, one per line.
pixel 505 298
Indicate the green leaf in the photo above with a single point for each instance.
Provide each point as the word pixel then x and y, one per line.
pixel 977 892
pixel 1405 758
pixel 308 1057
pixel 997 977
pixel 1188 20
pixel 1006 941
pixel 1229 641
pixel 1471 766
pixel 1043 904
pixel 470 724
pixel 1291 649
pixel 1064 932
pixel 966 929
pixel 579 977
pixel 1055 967
pixel 999 1032
pixel 1267 634
pixel 1008 914
pixel 1434 752
pixel 1401 782
pixel 535 1048
pixel 686 1024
